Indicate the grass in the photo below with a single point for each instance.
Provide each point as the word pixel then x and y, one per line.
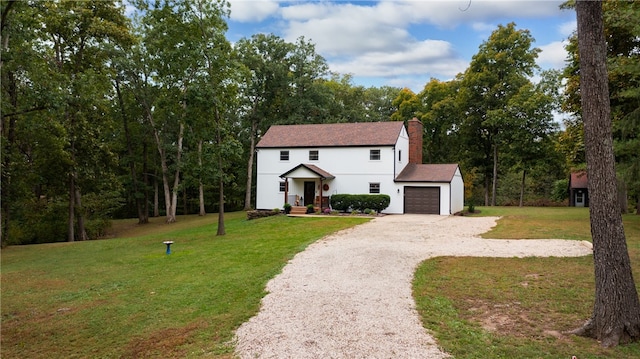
pixel 124 297
pixel 519 308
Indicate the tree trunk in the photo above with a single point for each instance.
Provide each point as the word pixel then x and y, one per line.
pixel 156 196
pixel 202 211
pixel 185 207
pixel 82 229
pixel 495 175
pixel 524 178
pixel 176 178
pixel 486 189
pixel 145 178
pixel 221 230
pixel 616 311
pixel 132 167
pixel 622 196
pixel 169 212
pixel 252 150
pixel 8 148
pixel 169 200
pixel 71 236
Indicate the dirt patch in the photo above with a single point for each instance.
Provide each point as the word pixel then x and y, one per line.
pixel 166 343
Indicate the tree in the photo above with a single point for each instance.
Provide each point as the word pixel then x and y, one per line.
pixel 283 86
pixel 408 106
pixel 616 311
pixel 622 34
pixel 498 72
pixel 378 103
pixel 265 90
pixel 531 112
pixel 309 99
pixel 78 34
pixel 440 120
pixel 220 76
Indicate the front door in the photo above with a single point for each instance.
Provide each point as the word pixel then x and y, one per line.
pixel 309 192
pixel 580 199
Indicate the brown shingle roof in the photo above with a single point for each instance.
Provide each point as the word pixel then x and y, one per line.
pixel 579 180
pixel 427 173
pixel 313 168
pixel 332 135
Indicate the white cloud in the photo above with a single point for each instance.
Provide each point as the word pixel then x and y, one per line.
pixel 251 10
pixel 567 28
pixel 451 13
pixel 483 27
pixel 428 57
pixel 379 39
pixel 553 55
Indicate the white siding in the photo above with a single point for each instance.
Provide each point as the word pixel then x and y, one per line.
pixel 351 166
pixel 353 171
pixel 457 192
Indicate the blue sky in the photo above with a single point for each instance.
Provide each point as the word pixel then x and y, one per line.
pixel 403 43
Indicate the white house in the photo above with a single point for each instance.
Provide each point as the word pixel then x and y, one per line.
pixel 302 164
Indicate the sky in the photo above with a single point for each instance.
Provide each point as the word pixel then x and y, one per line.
pixel 403 43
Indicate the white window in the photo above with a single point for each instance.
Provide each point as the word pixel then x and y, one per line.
pixel 284 155
pixel 283 186
pixel 374 155
pixel 314 155
pixel 374 187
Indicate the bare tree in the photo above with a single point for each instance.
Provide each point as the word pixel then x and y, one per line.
pixel 616 312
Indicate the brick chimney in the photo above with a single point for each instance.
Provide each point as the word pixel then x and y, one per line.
pixel 414 128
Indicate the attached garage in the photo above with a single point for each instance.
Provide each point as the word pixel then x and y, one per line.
pixel 431 189
pixel 422 200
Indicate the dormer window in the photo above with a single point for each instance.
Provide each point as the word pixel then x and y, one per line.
pixel 374 155
pixel 284 155
pixel 399 155
pixel 314 155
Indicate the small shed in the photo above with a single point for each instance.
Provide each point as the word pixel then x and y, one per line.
pixel 578 189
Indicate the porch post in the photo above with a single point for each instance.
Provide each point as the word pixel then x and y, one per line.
pixel 286 189
pixel 320 194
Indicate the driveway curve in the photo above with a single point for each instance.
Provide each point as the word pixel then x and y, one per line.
pixel 348 295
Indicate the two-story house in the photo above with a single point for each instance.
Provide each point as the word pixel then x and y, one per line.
pixel 306 164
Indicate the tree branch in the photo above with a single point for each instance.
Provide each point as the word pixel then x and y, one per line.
pixel 34 109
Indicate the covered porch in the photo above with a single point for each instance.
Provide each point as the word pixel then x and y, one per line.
pixel 307 184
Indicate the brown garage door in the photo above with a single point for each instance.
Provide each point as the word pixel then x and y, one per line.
pixel 422 200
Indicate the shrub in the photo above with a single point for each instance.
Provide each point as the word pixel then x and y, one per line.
pixel 287 208
pixel 310 209
pixel 560 190
pixel 360 202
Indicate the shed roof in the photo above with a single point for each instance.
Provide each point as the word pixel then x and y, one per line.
pixel 579 180
pixel 332 135
pixel 428 173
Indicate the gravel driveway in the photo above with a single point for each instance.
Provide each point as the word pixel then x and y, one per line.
pixel 348 295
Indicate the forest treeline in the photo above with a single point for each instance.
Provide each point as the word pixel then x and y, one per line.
pixel 156 113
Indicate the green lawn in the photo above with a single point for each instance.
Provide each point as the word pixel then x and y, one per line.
pixel 519 308
pixel 124 297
